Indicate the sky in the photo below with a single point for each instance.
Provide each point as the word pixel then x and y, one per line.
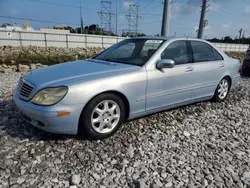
pixel 225 17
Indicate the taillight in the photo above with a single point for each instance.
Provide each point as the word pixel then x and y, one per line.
pixel 239 70
pixel 240 67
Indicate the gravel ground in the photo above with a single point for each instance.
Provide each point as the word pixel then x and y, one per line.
pixel 202 145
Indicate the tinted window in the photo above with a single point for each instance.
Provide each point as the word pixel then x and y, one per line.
pixel 202 51
pixel 217 55
pixel 176 51
pixel 131 51
pixel 149 47
pixel 124 51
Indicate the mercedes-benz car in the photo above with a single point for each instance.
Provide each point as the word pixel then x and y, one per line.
pixel 133 78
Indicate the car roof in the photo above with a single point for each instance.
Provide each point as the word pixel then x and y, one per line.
pixel 168 38
pixel 155 37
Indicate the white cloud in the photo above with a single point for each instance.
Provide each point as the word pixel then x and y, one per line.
pixel 247 11
pixel 226 26
pixel 126 4
pixel 192 6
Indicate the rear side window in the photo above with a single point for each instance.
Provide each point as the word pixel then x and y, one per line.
pixel 217 55
pixel 202 51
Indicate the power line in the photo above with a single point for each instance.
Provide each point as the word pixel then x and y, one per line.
pixel 137 2
pixel 223 11
pixel 147 4
pixel 152 9
pixel 59 4
pixel 71 6
pixel 34 20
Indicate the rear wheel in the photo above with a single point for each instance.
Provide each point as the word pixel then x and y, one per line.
pixel 222 90
pixel 102 116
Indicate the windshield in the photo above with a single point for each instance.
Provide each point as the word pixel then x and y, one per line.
pixel 131 51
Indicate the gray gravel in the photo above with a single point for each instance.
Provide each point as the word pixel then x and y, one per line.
pixel 202 145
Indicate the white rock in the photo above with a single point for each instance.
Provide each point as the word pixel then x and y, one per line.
pixel 75 179
pixel 23 68
pixel 187 134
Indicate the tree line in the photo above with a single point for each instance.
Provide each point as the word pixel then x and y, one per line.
pixel 228 39
pixel 94 29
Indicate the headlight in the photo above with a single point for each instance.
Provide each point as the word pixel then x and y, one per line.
pixel 49 96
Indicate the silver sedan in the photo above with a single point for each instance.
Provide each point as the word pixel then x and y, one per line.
pixel 133 78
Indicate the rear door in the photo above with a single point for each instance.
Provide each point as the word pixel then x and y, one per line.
pixel 209 68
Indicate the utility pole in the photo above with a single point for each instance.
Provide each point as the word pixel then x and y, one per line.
pixel 203 22
pixel 243 36
pixel 240 31
pixel 165 18
pixel 106 16
pixel 133 19
pixel 81 20
pixel 116 19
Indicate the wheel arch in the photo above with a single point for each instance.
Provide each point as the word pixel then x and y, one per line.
pixel 118 93
pixel 230 80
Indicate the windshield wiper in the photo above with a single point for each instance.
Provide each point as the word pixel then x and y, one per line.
pixel 107 59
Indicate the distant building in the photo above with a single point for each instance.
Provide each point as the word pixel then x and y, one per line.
pixel 27 27
pixel 15 27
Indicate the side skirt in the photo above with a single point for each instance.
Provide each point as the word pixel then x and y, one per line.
pixel 161 109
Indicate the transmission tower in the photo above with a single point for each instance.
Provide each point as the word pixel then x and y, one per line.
pixel 106 16
pixel 133 19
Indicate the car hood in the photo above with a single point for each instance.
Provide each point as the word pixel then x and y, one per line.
pixel 66 73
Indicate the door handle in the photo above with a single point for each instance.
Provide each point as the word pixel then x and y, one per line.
pixel 189 69
pixel 222 65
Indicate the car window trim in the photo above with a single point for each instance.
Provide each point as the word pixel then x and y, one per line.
pixel 190 51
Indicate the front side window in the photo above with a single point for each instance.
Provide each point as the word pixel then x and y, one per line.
pixel 131 51
pixel 202 51
pixel 177 51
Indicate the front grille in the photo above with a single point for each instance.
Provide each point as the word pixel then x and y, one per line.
pixel 25 90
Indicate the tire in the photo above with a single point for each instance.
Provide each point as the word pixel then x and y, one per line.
pixel 222 90
pixel 98 119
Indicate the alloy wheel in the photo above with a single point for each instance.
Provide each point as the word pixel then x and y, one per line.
pixel 105 116
pixel 223 89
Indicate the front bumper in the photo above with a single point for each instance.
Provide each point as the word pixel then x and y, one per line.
pixel 45 117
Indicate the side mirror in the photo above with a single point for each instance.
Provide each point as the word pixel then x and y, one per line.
pixel 165 63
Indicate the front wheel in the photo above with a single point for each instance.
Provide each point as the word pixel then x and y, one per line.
pixel 102 116
pixel 222 90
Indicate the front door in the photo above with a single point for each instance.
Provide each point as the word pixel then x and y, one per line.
pixel 171 86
